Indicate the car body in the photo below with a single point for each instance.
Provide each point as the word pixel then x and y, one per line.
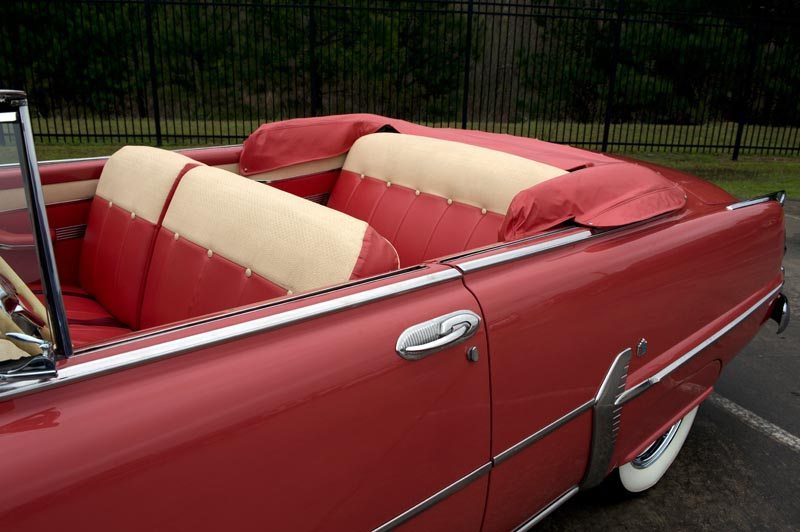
pixel 550 359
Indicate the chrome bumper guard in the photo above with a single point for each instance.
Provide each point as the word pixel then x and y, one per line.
pixel 781 313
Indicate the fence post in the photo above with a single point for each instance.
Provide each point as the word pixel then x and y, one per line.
pixel 467 62
pixel 747 87
pixel 151 52
pixel 612 73
pixel 316 90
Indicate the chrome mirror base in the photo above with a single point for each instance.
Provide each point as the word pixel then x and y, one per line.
pixel 37 367
pixel 34 368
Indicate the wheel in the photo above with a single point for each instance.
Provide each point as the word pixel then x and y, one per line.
pixel 644 471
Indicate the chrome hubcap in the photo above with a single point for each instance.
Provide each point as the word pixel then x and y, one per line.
pixel 656 449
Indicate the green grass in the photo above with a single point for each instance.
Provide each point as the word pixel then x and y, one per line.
pixel 749 176
pixel 752 175
pixel 650 137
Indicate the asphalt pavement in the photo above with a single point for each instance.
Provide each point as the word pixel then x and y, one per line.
pixel 740 466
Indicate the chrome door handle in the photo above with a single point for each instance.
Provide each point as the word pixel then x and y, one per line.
pixel 426 338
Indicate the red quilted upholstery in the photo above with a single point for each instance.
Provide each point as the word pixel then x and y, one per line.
pixel 184 282
pixel 113 265
pixel 83 335
pixel 136 273
pixel 420 226
pixel 116 249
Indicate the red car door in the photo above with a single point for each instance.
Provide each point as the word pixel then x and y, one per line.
pixel 297 416
pixel 565 313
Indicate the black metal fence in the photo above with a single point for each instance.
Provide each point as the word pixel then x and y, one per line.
pixel 616 75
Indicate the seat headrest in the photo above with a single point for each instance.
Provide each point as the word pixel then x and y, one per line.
pixel 139 179
pixel 468 174
pixel 295 243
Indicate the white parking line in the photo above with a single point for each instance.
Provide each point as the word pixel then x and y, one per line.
pixel 757 422
pixel 792 216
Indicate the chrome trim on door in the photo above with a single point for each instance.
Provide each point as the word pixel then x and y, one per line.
pixel 432 336
pixel 518 253
pixel 435 498
pixel 550 508
pixel 110 364
pixel 541 433
pixel 779 196
pixel 644 385
pixel 606 420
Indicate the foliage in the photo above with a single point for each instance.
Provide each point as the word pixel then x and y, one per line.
pixel 677 61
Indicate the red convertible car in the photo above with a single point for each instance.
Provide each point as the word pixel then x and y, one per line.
pixel 358 323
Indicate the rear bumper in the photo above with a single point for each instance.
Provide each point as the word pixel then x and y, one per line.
pixel 781 313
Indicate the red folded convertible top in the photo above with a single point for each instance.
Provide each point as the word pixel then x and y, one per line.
pixel 279 144
pixel 596 190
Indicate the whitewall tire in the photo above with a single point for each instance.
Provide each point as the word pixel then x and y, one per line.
pixel 644 471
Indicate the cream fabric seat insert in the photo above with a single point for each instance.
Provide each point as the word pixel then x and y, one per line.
pixel 140 178
pixel 476 176
pixel 288 240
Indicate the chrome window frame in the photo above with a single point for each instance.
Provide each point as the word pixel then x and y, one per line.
pixel 16 103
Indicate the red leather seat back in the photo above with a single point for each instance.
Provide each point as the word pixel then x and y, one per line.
pixel 133 190
pixel 227 241
pixel 431 197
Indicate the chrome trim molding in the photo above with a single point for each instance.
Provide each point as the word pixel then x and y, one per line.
pixel 32 183
pixel 515 254
pixel 550 508
pixel 70 232
pixel 639 388
pixel 782 313
pixel 649 456
pixel 541 433
pixel 110 364
pixel 502 245
pixel 606 420
pixel 779 196
pixel 435 498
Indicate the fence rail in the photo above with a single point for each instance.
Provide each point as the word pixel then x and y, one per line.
pixel 608 76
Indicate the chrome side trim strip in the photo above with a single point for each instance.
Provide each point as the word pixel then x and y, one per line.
pixel 779 196
pixel 435 498
pixel 541 433
pixel 85 370
pixel 502 245
pixel 639 388
pixel 606 420
pixel 550 508
pixel 515 254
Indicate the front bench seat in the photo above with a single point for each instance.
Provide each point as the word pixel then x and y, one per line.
pixel 431 197
pixel 132 193
pixel 227 241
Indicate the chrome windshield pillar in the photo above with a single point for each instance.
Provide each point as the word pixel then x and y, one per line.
pixel 14 110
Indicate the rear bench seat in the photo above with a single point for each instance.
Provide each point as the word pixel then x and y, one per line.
pixel 169 239
pixel 228 241
pixel 432 197
pixel 131 196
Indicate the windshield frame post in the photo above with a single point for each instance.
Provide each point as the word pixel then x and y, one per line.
pixel 16 101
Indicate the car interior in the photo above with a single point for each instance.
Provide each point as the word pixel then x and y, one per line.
pixel 160 237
